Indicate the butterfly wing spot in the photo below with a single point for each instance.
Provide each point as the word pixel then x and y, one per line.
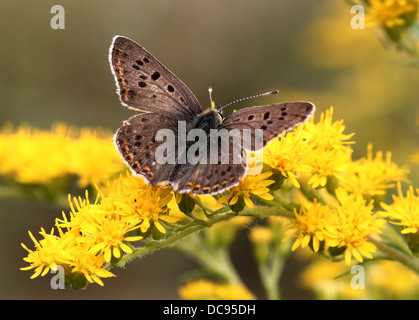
pixel 142 84
pixel 123 81
pixel 250 118
pixel 139 62
pixel 146 60
pixel 188 184
pixel 197 188
pixel 170 88
pixel 206 189
pixel 266 115
pixel 155 76
pixel 136 165
pixel 134 66
pixel 119 52
pixel 127 94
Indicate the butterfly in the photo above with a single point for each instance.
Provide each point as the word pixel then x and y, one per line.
pixel 144 84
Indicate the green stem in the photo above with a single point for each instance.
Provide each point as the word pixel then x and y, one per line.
pixel 217 261
pixel 394 254
pixel 270 275
pixel 173 238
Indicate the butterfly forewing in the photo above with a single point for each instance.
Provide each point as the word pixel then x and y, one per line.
pixel 272 119
pixel 146 85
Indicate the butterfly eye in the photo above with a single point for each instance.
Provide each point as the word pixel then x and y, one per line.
pixel 220 114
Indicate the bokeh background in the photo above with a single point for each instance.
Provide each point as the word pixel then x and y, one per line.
pixel 305 48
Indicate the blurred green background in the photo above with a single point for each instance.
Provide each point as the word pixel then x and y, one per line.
pixel 305 48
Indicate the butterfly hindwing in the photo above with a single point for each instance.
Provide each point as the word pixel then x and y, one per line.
pixel 137 144
pixel 210 177
pixel 272 119
pixel 144 84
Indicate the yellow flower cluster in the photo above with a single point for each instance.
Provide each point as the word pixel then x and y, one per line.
pixel 405 210
pixel 390 13
pixel 338 219
pixel 39 156
pixel 341 223
pixel 96 233
pixel 341 228
pixel 207 290
pixel 383 280
pixel 317 150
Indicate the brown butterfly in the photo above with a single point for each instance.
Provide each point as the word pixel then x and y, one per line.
pixel 144 84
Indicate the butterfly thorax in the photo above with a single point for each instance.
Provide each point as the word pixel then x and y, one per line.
pixel 208 120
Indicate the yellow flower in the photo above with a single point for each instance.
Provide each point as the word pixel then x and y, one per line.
pixel 372 176
pixel 405 210
pixel 326 134
pixel 207 290
pixel 355 222
pixel 89 264
pixel 50 251
pixel 67 251
pixel 109 233
pixel 330 154
pixel 134 199
pixel 250 184
pixel 328 163
pixel 390 13
pixel 310 225
pixel 289 154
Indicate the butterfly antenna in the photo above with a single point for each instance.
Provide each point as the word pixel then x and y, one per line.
pixel 248 98
pixel 210 95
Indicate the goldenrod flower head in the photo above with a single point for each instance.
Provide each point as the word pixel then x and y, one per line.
pixel 134 199
pixel 250 184
pixel 289 154
pixel 405 210
pixel 89 264
pixel 330 154
pixel 328 163
pixel 208 290
pixel 50 251
pixel 372 176
pixel 326 134
pixel 389 13
pixel 355 222
pixel 310 225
